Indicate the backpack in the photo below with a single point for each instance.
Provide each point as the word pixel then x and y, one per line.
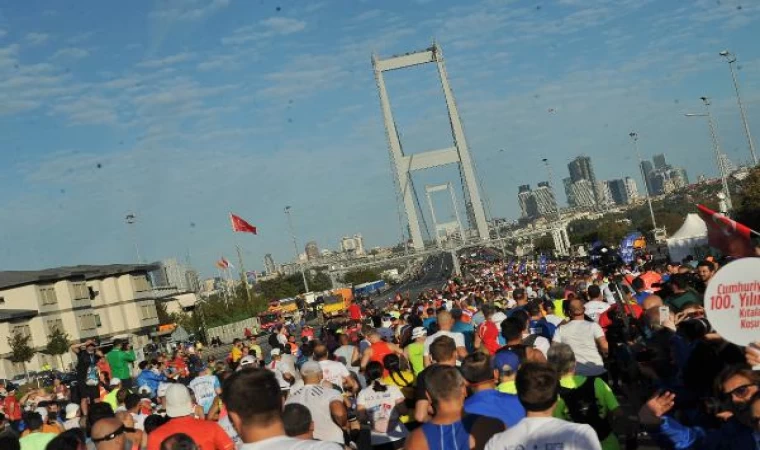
pixel 583 408
pixel 530 341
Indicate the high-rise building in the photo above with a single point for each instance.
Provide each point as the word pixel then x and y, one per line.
pixel 171 273
pixel 631 188
pixel 568 184
pixel 603 194
pixel 312 251
pixel 545 201
pixel 269 264
pixel 581 169
pixel 353 245
pixel 583 193
pixel 618 192
pixel 679 177
pixel 659 162
pixel 648 170
pixel 524 197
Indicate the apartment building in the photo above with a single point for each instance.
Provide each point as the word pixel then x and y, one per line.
pixel 87 302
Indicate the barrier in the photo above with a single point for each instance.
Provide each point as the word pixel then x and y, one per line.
pixel 226 333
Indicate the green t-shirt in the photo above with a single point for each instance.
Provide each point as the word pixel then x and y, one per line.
pixel 605 399
pixel 118 360
pixel 36 441
pixel 415 350
pixel 507 387
pixel 687 297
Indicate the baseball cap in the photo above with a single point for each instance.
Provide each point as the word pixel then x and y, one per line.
pixel 419 332
pixel 144 390
pixel 71 410
pixel 114 381
pixel 178 401
pixel 506 362
pixel 247 360
pixel 311 368
pixel 275 352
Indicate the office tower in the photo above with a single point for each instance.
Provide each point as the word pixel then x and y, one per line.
pixel 583 193
pixel 568 184
pixel 269 264
pixel 352 244
pixel 631 188
pixel 581 169
pixel 603 194
pixel 524 196
pixel 618 192
pixel 659 162
pixel 545 202
pixel 312 251
pixel 648 170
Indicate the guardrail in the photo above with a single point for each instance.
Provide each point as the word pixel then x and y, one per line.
pixel 226 333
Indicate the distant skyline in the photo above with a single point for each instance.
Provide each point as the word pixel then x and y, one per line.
pixel 179 111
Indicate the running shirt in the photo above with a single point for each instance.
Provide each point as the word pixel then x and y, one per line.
pixel 204 388
pixel 383 416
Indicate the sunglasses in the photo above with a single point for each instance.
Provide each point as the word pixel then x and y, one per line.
pixel 739 392
pixel 111 436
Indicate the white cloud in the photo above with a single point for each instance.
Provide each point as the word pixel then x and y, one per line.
pixel 34 38
pixel 188 10
pixel 88 110
pixel 71 53
pixel 166 61
pixel 267 28
pixel 3 33
pixel 284 25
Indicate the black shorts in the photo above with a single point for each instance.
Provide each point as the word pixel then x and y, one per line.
pixel 89 392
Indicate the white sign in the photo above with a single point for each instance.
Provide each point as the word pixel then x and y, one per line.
pixel 732 301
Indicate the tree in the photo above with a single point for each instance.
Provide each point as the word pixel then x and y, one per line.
pixel 21 351
pixel 164 318
pixel 748 204
pixel 58 344
pixel 360 276
pixel 320 282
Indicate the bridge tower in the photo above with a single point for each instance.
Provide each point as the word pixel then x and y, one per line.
pixel 406 164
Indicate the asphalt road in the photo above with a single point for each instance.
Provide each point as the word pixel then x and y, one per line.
pixel 435 271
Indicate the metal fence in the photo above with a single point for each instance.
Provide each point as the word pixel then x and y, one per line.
pixel 226 333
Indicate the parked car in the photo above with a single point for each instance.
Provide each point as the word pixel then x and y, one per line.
pixel 22 379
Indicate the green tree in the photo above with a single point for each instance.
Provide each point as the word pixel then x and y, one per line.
pixel 58 344
pixel 544 244
pixel 164 318
pixel 21 351
pixel 360 276
pixel 747 206
pixel 320 282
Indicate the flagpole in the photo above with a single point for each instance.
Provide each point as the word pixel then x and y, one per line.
pixel 243 274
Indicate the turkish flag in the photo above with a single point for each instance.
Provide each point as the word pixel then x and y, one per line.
pixel 241 225
pixel 729 236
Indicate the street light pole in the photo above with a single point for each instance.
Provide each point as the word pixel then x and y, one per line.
pixel 635 137
pixel 550 175
pixel 731 59
pixel 295 247
pixel 131 219
pixel 716 150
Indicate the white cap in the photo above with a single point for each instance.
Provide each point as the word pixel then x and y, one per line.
pixel 247 360
pixel 178 401
pixel 419 332
pixel 275 352
pixel 114 382
pixel 144 390
pixel 42 412
pixel 72 409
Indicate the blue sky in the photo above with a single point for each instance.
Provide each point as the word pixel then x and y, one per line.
pixel 181 111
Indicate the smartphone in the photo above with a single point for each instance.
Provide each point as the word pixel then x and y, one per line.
pixel 664 314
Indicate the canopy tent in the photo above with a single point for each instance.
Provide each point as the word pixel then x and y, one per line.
pixel 690 239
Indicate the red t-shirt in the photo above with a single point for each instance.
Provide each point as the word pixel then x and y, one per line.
pixel 207 435
pixel 605 320
pixel 9 403
pixel 355 312
pixel 489 334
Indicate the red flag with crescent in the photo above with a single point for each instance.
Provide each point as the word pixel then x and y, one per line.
pixel 727 235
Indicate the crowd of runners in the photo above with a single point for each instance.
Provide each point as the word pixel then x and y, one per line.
pixel 563 355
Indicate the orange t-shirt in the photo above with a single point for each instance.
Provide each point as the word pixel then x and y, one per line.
pixel 207 435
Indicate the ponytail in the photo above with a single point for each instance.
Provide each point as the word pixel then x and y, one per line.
pixel 373 373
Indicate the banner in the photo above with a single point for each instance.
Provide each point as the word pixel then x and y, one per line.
pixel 727 235
pixel 627 247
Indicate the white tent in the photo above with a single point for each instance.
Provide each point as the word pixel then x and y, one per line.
pixel 690 239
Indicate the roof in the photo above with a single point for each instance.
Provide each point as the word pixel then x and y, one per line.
pixel 12 314
pixel 693 227
pixel 15 278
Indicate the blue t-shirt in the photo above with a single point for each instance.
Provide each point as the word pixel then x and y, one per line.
pixel 204 388
pixel 428 323
pixel 495 404
pixel 542 327
pixel 641 296
pixel 469 334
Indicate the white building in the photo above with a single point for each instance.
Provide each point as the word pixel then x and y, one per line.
pixel 87 302
pixel 633 190
pixel 353 245
pixel 583 193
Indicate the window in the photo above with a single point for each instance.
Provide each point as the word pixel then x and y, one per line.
pixel 23 330
pixel 47 294
pixel 54 324
pixel 81 292
pixel 87 322
pixel 98 323
pixel 148 312
pixel 2 300
pixel 140 283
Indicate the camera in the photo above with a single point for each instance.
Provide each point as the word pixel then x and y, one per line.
pixel 694 328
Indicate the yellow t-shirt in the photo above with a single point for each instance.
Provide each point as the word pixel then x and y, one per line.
pixel 403 380
pixel 256 348
pixel 508 387
pixel 236 354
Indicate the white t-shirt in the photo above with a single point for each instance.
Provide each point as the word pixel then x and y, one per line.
pixel 383 416
pixel 596 308
pixel 289 443
pixel 541 344
pixel 344 354
pixel 204 388
pixel 228 428
pixel 318 398
pixel 334 372
pixel 279 369
pixel 581 336
pixel 458 340
pixel 553 319
pixel 545 433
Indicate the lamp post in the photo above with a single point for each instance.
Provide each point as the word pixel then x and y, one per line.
pixel 635 137
pixel 731 59
pixel 550 175
pixel 295 247
pixel 131 220
pixel 716 150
